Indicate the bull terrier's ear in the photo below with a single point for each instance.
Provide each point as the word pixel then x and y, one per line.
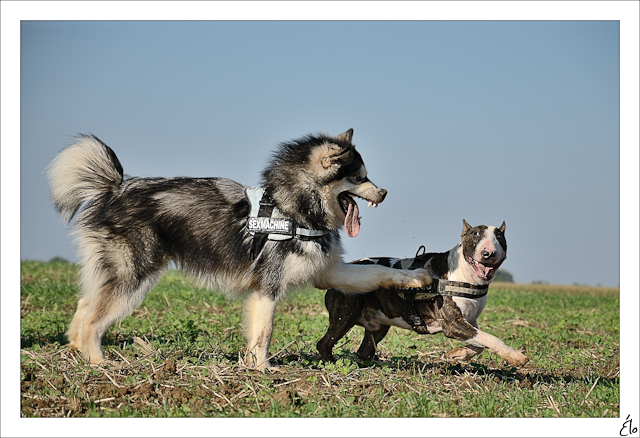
pixel 337 154
pixel 465 227
pixel 503 226
pixel 346 136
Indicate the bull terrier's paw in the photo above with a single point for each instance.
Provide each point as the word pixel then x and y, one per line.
pixel 381 363
pixel 462 354
pixel 517 358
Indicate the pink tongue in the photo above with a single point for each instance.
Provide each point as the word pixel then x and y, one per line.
pixel 351 221
pixel 483 271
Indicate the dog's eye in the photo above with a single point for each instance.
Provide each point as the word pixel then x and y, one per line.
pixel 358 179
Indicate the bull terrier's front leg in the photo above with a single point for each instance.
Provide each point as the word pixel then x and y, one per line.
pixel 344 311
pixel 513 357
pixel 456 327
pixel 466 353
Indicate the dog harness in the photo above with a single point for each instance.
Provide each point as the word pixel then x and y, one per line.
pixel 439 286
pixel 266 222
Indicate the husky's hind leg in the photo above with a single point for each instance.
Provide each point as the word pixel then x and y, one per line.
pixel 115 300
pixel 258 326
pixel 92 275
pixel 75 329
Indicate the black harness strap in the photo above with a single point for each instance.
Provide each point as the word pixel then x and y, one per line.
pixel 259 239
pixel 409 298
pixel 409 295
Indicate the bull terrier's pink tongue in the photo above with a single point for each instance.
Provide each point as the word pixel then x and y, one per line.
pixel 484 270
pixel 351 221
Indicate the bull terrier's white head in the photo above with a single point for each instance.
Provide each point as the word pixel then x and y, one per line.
pixel 484 248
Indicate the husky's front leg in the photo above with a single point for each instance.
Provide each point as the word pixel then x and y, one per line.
pixel 258 326
pixel 366 278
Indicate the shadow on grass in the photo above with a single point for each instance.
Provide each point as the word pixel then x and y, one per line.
pixel 527 376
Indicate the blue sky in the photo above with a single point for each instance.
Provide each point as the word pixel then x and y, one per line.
pixel 485 120
pixel 530 122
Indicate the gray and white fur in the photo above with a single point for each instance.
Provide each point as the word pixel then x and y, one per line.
pixel 129 230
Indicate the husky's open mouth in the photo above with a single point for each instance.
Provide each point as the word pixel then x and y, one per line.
pixel 484 272
pixel 350 209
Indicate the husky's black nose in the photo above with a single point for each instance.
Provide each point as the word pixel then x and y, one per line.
pixel 383 193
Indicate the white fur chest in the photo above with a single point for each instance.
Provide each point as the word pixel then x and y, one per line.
pixel 471 307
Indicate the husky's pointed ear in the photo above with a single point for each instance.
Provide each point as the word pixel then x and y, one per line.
pixel 503 226
pixel 337 155
pixel 465 227
pixel 346 136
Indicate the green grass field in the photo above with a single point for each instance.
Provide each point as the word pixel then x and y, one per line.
pixel 178 356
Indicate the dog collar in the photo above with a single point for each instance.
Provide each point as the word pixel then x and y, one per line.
pixel 266 222
pixel 461 289
pixel 445 288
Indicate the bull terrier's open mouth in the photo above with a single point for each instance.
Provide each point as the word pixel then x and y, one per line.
pixel 484 271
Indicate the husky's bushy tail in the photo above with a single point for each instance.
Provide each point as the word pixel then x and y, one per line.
pixel 83 171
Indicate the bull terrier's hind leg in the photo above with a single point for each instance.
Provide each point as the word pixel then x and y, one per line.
pixel 344 312
pixel 367 350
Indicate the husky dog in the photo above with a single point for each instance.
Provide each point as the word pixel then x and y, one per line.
pixel 226 235
pixel 451 305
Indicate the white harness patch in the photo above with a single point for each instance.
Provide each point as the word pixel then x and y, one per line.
pixel 277 226
pixel 268 224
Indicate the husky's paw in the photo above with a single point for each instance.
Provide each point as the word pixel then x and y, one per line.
pixel 250 361
pixel 273 369
pixel 418 278
pixel 267 366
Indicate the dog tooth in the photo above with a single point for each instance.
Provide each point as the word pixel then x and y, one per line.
pixel 370 204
